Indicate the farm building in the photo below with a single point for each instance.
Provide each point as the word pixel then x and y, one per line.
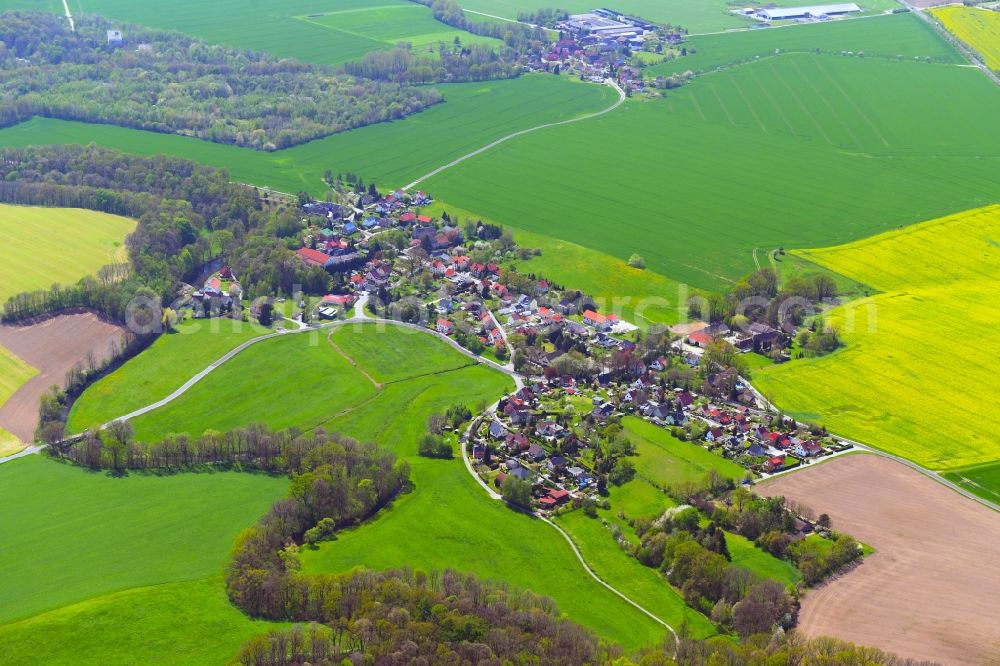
pixel 811 11
pixel 115 38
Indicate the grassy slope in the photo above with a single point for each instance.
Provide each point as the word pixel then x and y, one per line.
pixel 892 386
pixel 159 370
pixel 745 554
pixel 642 584
pixel 190 622
pixel 814 147
pixel 667 461
pixel 396 353
pixel 392 154
pixel 88 240
pixel 296 380
pixel 448 521
pixel 887 36
pixel 977 27
pixel 72 535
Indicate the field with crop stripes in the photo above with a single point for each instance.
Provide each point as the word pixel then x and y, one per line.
pixel 979 28
pixel 798 151
pixel 286 29
pixel 29 262
pixel 896 36
pixel 385 23
pixel 918 357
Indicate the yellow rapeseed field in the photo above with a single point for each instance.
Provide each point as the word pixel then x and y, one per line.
pixel 979 28
pixel 920 370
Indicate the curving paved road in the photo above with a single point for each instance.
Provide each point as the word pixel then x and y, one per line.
pixel 572 544
pixel 478 151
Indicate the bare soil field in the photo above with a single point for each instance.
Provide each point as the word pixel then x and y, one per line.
pixel 53 346
pixel 931 590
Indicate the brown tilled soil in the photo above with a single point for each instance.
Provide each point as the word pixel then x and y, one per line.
pixel 932 589
pixel 53 346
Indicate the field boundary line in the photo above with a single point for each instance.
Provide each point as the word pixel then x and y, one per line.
pixel 514 135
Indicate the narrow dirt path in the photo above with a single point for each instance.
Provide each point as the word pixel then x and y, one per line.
pixel 354 364
pixel 479 151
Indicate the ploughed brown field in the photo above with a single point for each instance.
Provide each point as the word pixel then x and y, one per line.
pixel 931 590
pixel 53 346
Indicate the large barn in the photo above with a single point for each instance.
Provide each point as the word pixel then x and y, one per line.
pixel 811 11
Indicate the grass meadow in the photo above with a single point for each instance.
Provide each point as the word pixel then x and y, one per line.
pixel 745 554
pixel 190 622
pixel 646 586
pixel 72 535
pixel 295 380
pixel 893 36
pixel 978 28
pixel 155 373
pixel 899 384
pixel 667 461
pixel 983 480
pixel 87 241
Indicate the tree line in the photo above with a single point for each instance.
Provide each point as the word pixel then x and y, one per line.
pixel 167 82
pixel 188 214
pixel 339 482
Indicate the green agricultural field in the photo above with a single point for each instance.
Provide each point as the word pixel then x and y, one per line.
pixel 392 353
pixel 13 374
pixel 448 521
pixel 667 461
pixel 303 380
pixel 190 622
pixel 983 480
pixel 382 24
pixel 745 554
pixel 87 241
pixel 797 151
pixel 900 35
pixel 644 585
pixel 392 154
pixel 158 371
pixel 72 535
pixel 295 380
pixel 891 386
pixel 276 28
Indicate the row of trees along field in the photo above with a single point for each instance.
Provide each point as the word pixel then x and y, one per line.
pixel 454 62
pixel 187 215
pixel 402 616
pixel 167 82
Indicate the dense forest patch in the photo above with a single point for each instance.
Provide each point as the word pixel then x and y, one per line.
pixel 168 82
